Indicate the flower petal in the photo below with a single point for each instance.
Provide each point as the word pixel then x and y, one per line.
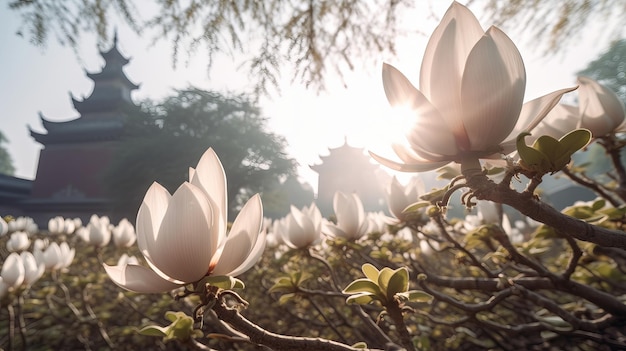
pixel 209 176
pixel 532 113
pixel 416 166
pixel 183 248
pixel 138 279
pixel 429 131
pixel 444 62
pixel 601 109
pixel 242 238
pixel 492 90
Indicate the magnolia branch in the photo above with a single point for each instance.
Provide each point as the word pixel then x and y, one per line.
pixel 485 189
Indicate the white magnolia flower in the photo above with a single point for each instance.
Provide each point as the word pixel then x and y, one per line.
pixel 399 197
pixel 4 227
pixel 12 271
pixel 600 111
pixel 183 236
pixel 303 227
pixel 18 242
pixel 25 224
pixel 33 270
pixel 97 231
pixel 124 234
pixel 55 256
pixel 60 225
pixel 352 223
pixel 470 101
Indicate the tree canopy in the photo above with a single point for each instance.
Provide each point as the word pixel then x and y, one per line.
pixel 308 40
pixel 310 37
pixel 168 137
pixel 554 25
pixel 6 162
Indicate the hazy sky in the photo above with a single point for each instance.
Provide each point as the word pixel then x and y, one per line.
pixel 34 80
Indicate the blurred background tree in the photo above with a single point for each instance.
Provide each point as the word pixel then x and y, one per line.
pixel 168 137
pixel 6 162
pixel 610 68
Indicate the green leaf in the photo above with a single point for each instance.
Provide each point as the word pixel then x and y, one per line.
pixel 361 299
pixel 283 284
pixel 530 158
pixel 153 330
pixel 286 297
pixel 398 282
pixel 370 272
pixel 415 207
pixel 362 285
pixel 223 282
pixel 417 296
pixel 383 279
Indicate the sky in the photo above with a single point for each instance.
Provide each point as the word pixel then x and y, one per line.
pixel 37 80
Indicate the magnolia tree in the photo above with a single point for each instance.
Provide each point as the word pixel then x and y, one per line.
pixel 517 274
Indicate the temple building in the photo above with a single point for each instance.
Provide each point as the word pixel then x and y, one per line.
pixel 76 152
pixel 350 170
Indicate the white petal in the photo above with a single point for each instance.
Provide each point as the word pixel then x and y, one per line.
pixel 13 270
pixel 429 131
pixel 183 247
pixel 415 166
pixel 253 256
pixel 138 279
pixel 149 218
pixel 242 238
pixel 444 62
pixel 601 109
pixel 492 90
pixel 531 115
pixel 209 175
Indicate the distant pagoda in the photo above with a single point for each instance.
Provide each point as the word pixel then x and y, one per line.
pixel 348 169
pixel 76 153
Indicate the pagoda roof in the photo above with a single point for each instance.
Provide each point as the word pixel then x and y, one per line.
pixel 114 55
pixel 78 130
pixel 342 155
pixel 109 104
pixel 110 74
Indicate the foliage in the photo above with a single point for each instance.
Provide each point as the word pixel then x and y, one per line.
pixel 161 144
pixel 555 25
pixel 312 38
pixel 6 163
pixel 610 68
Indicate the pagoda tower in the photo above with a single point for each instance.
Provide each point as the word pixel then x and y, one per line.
pixel 349 170
pixel 76 152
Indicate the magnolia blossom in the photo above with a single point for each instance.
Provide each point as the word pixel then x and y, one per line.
pixel 55 256
pixel 22 223
pixel 183 236
pixel 97 231
pixel 124 234
pixel 12 271
pixel 33 270
pixel 470 101
pixel 60 225
pixel 303 227
pixel 18 242
pixel 351 220
pixel 599 109
pixel 399 197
